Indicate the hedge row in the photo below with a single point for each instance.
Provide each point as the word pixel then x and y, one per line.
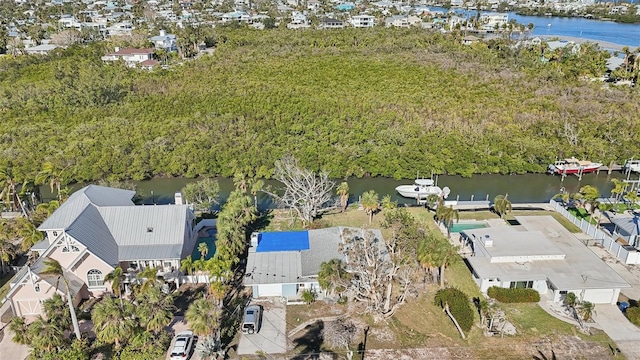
pixel 633 314
pixel 459 305
pixel 513 295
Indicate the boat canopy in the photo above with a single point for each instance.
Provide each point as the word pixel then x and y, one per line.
pixel 424 182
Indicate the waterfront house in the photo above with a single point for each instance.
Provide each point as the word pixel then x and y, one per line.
pixel 283 264
pixel 540 254
pixel 96 230
pixel 402 21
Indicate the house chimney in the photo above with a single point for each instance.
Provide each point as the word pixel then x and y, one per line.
pixel 162 33
pixel 178 198
pixel 117 49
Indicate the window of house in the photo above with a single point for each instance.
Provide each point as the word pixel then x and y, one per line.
pixel 75 248
pixel 36 288
pixel 55 233
pixel 95 278
pixel 167 264
pixel 521 284
pixel 65 249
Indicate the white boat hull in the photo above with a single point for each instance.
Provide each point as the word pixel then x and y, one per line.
pixel 414 192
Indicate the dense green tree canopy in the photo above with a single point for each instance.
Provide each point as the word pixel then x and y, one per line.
pixel 354 103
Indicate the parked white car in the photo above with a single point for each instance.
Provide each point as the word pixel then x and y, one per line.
pixel 251 320
pixel 182 346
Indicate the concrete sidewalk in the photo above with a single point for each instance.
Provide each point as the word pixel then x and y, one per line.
pixel 624 333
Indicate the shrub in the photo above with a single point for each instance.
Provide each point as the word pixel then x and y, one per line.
pixel 459 305
pixel 518 295
pixel 633 314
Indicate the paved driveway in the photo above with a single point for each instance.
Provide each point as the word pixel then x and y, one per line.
pixel 272 338
pixel 615 324
pixel 177 325
pixel 10 350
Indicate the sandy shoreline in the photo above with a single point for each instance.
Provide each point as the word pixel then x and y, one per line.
pixel 605 45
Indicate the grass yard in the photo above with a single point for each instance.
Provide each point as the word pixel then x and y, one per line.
pixel 421 324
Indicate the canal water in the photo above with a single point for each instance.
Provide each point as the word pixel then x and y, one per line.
pixel 528 188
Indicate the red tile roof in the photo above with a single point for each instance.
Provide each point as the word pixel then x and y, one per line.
pixel 150 63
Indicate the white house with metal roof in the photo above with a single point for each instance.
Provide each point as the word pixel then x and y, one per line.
pixel 540 254
pixel 96 230
pixel 283 264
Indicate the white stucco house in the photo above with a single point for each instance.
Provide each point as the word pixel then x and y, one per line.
pixel 540 254
pixel 131 56
pixel 96 230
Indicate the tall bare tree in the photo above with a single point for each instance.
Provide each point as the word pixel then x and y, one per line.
pixel 376 280
pixel 304 191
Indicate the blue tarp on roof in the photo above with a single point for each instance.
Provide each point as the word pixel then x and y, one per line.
pixel 283 241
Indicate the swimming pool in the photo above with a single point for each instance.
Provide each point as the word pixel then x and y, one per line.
pixel 456 228
pixel 211 244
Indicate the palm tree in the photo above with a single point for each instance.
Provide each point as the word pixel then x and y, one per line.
pixel 186 265
pixel 150 278
pixel 116 277
pixel 586 310
pixel 20 330
pixel 113 323
pixel 8 191
pixel 53 267
pixel 203 249
pixel 370 203
pixel 502 205
pixel 29 233
pixel 343 191
pixel 155 310
pixel 446 215
pixel 447 254
pixel 45 335
pixel 331 274
pixel 53 174
pixel 618 188
pixel 387 203
pixel 255 187
pixel 203 317
pixel 55 312
pixel 7 249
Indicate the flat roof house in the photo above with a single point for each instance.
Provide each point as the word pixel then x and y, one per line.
pixel 285 263
pixel 540 254
pixel 96 230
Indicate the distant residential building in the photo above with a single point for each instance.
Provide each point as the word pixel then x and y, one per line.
pixel 492 20
pixel 330 23
pixel 346 6
pixel 239 16
pixel 120 29
pixel 40 49
pixel 402 21
pixel 470 39
pixel 130 56
pixel 298 21
pixel 363 21
pixel 165 41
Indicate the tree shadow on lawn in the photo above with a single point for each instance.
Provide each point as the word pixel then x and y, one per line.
pixel 309 345
pixel 186 295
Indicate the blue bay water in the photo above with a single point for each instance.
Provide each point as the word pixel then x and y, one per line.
pixel 617 33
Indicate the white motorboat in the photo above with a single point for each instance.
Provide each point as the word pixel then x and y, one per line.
pixel 421 189
pixel 632 165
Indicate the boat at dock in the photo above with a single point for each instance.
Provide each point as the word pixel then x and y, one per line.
pixel 421 189
pixel 573 166
pixel 632 165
